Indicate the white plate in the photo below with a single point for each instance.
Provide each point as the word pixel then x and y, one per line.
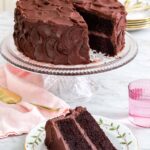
pixel 138 15
pixel 137 28
pixel 121 137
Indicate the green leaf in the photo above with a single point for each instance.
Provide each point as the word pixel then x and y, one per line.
pixel 124 143
pixel 119 136
pixel 39 140
pixel 129 143
pixel 30 143
pixel 111 124
pixel 118 127
pixel 100 121
pixel 112 129
pixel 124 134
pixel 40 130
pixel 36 143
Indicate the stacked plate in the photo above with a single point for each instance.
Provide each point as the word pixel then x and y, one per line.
pixel 138 14
pixel 138 20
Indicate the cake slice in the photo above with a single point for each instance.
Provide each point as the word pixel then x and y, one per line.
pixel 51 31
pixel 77 130
pixel 106 20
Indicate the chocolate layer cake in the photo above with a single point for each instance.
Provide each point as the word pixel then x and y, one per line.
pixel 78 130
pixel 60 31
pixel 51 31
pixel 106 20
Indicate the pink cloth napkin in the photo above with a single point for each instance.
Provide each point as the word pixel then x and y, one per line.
pixel 21 118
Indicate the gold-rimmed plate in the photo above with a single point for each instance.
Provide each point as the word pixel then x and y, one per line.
pixel 113 129
pixel 138 25
pixel 138 22
pixel 133 28
pixel 139 16
pixel 138 10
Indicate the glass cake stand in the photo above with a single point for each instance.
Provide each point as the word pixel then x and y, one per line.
pixel 71 83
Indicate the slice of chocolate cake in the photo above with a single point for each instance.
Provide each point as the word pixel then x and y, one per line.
pixel 106 20
pixel 77 130
pixel 51 31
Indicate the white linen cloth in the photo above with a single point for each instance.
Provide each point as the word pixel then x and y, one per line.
pixel 111 100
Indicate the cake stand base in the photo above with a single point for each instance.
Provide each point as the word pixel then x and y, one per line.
pixel 66 81
pixel 72 89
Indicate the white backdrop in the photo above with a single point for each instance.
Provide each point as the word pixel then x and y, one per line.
pixel 6 5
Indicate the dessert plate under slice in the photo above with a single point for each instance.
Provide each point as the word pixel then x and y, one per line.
pixel 100 62
pixel 121 137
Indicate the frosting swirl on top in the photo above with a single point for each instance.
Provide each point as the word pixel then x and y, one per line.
pixel 107 8
pixel 54 11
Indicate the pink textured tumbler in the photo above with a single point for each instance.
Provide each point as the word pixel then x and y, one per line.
pixel 139 102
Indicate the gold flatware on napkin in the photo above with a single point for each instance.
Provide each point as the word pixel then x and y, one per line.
pixel 9 97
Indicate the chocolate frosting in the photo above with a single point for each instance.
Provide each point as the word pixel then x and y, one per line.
pixel 51 31
pixel 54 139
pixel 54 11
pixel 105 8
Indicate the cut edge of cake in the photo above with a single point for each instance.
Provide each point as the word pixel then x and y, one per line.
pixel 104 17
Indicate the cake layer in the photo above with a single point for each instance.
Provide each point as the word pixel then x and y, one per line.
pixel 93 131
pixel 72 135
pixel 51 31
pixel 102 44
pixel 97 23
pixel 105 44
pixel 76 130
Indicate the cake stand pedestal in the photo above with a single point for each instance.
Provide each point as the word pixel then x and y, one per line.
pixel 71 89
pixel 71 83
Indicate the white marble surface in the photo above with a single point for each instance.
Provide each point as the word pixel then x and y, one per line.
pixel 111 99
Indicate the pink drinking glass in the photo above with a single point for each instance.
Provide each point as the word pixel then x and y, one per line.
pixel 139 102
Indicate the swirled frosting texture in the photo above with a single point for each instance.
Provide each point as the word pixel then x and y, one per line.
pixel 51 31
pixel 107 8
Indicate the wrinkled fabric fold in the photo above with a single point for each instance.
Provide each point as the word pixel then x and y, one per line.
pixel 17 119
